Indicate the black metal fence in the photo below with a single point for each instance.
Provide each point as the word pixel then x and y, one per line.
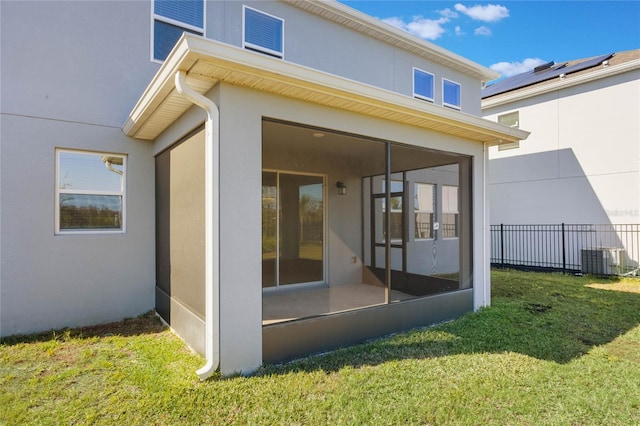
pixel 593 249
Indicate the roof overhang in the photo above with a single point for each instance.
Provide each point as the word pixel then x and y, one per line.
pixel 207 62
pixel 559 84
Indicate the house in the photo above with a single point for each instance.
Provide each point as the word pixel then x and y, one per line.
pixel 274 178
pixel 580 164
pixel 568 198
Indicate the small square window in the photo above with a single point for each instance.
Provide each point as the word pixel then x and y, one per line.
pixel 450 93
pixel 511 119
pixel 172 18
pixel 423 85
pixel 90 192
pixel 263 32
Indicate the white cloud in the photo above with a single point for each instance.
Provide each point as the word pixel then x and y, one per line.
pixel 448 13
pixel 488 13
pixel 508 69
pixel 429 29
pixel 395 22
pixel 482 31
pixel 459 31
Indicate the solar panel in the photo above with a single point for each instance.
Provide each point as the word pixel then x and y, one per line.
pixel 539 74
pixel 587 64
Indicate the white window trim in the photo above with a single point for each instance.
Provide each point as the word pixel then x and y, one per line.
pixel 433 88
pixel 456 107
pixel 59 191
pixel 258 48
pixel 510 145
pixel 515 126
pixel 175 22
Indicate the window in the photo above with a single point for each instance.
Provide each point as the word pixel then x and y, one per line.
pixel 449 211
pixel 511 119
pixel 90 192
pixel 395 211
pixel 450 93
pixel 423 85
pixel 171 18
pixel 263 32
pixel 423 204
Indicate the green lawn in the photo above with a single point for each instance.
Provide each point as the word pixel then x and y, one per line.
pixel 552 349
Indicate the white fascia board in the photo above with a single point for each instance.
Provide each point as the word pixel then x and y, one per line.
pixel 180 59
pixel 191 49
pixel 560 84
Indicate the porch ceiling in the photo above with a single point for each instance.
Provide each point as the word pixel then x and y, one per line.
pixel 208 62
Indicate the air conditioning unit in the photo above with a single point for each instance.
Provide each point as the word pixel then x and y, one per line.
pixel 603 261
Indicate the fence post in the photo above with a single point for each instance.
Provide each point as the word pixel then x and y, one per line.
pixel 502 245
pixel 564 253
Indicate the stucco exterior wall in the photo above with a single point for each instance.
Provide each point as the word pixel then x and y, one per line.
pixel 321 44
pixel 85 62
pixel 581 162
pixel 70 72
pixel 241 124
pixel 52 281
pixel 74 72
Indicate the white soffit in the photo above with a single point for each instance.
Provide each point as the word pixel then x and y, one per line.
pixel 208 62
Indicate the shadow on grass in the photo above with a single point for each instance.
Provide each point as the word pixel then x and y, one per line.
pixel 147 323
pixel 551 317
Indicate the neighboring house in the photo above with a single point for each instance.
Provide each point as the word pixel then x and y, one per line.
pixel 333 191
pixel 582 162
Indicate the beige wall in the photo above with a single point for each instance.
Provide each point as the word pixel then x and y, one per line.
pixel 241 127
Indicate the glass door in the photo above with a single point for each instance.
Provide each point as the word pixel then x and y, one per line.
pixel 292 229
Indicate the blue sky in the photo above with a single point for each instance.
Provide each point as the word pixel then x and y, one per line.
pixel 513 36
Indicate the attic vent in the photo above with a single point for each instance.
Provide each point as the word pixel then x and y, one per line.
pixel 543 66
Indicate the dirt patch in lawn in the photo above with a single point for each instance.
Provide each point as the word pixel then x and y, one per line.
pixel 147 323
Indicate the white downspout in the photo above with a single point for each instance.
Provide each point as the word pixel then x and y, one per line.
pixel 486 226
pixel 212 224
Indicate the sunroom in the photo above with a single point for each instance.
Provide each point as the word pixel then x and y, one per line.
pixel 305 211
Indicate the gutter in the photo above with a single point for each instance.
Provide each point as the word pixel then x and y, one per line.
pixel 214 62
pixel 212 224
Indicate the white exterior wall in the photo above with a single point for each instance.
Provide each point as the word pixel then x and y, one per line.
pixel 70 72
pixel 581 162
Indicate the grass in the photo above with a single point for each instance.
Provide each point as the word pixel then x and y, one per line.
pixel 552 349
